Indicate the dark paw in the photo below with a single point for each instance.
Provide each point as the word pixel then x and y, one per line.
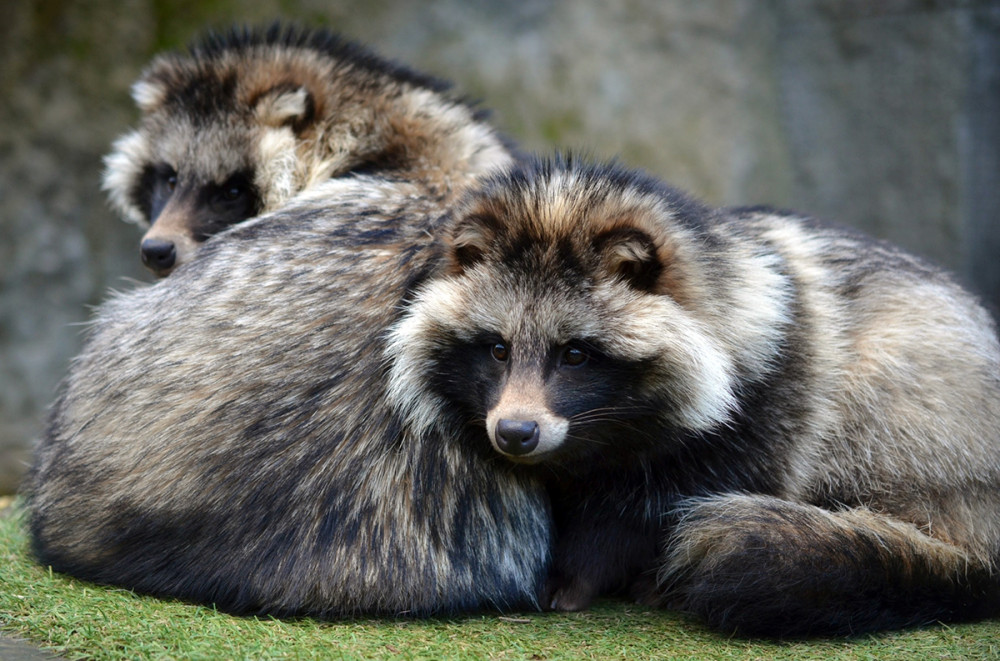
pixel 567 595
pixel 645 590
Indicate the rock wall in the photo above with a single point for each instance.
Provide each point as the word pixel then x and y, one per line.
pixel 882 115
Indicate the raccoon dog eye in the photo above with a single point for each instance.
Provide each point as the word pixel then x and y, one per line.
pixel 573 357
pixel 499 352
pixel 233 192
pixel 167 177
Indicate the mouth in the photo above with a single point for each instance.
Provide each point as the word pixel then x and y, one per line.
pixel 523 459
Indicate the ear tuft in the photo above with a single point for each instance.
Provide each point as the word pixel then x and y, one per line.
pixel 470 241
pixel 630 254
pixel 283 106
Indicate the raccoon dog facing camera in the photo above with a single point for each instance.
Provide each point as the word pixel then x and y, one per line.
pixel 783 427
pixel 241 122
pixel 225 434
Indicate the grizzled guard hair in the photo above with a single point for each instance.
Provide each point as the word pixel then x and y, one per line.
pixel 242 121
pixel 784 427
pixel 225 436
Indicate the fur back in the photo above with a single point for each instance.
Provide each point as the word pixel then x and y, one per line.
pixel 222 436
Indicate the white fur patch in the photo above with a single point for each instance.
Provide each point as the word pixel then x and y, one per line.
pixel 123 166
pixel 754 325
pixel 148 95
pixel 406 390
pixel 695 372
pixel 278 159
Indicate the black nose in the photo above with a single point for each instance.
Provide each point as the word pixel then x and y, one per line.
pixel 158 254
pixel 517 437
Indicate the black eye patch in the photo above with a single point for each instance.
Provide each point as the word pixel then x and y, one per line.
pixel 162 184
pixel 232 201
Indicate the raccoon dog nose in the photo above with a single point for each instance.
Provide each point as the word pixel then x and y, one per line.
pixel 517 437
pixel 158 254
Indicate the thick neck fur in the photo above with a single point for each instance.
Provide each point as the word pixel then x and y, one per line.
pixel 419 136
pixel 369 122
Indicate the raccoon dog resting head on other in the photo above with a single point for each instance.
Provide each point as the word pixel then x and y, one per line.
pixel 241 451
pixel 241 122
pixel 784 427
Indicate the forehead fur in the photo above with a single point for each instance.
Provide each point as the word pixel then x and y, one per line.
pixel 234 69
pixel 552 201
pixel 321 43
pixel 600 222
pixel 206 152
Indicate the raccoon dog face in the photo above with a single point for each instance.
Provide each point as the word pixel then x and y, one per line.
pixel 242 122
pixel 563 323
pixel 215 147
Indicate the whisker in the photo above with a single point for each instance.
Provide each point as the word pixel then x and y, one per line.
pixel 626 429
pixel 617 410
pixel 590 441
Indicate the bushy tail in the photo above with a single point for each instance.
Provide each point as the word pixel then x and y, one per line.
pixel 761 566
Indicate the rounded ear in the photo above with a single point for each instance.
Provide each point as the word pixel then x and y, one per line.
pixel 149 94
pixel 630 254
pixel 469 241
pixel 284 106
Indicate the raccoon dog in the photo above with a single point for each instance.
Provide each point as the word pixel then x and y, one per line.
pixel 243 121
pixel 225 435
pixel 781 426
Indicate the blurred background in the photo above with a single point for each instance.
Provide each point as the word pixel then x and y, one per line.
pixel 882 114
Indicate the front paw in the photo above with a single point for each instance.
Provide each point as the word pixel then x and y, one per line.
pixel 645 590
pixel 567 595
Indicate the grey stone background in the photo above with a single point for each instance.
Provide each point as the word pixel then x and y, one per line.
pixel 883 114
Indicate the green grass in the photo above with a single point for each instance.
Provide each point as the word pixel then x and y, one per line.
pixel 80 620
